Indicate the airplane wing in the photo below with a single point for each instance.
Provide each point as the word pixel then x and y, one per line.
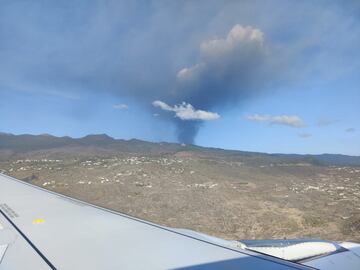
pixel 40 229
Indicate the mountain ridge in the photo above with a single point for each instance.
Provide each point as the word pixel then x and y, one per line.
pixel 27 142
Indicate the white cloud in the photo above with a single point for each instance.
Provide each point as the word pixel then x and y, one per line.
pixel 287 120
pixel 241 43
pixel 239 36
pixel 188 73
pixel 162 105
pixel 121 106
pixel 186 111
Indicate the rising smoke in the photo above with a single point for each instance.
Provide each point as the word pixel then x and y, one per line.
pixel 96 50
pixel 229 72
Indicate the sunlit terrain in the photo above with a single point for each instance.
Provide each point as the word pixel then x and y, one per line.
pixel 235 195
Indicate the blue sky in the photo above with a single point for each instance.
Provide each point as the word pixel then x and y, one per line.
pixel 268 76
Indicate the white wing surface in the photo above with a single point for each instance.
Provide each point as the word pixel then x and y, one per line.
pixel 44 230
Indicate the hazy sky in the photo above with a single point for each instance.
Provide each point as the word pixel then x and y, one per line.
pixel 269 76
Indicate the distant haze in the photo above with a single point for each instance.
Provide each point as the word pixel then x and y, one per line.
pixel 253 75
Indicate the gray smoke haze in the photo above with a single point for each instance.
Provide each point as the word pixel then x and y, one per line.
pixel 231 69
pixel 228 73
pixel 211 54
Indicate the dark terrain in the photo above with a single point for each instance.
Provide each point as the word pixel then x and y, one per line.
pixel 230 194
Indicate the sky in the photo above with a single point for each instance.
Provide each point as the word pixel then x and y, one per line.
pixel 267 76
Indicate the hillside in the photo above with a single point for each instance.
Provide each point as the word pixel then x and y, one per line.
pixel 230 194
